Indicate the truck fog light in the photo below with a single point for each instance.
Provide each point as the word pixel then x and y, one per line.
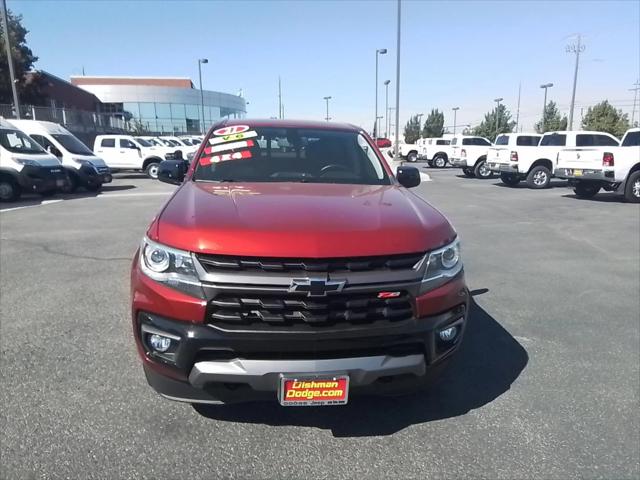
pixel 448 334
pixel 159 343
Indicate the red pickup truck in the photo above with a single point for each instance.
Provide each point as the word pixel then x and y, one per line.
pixel 302 276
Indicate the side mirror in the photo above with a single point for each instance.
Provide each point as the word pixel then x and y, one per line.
pixel 172 171
pixel 408 177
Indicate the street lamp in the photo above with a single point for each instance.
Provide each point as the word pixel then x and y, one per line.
pixel 386 109
pixel 497 100
pixel 378 118
pixel 326 99
pixel 419 116
pixel 544 105
pixel 200 62
pixel 380 51
pixel 455 114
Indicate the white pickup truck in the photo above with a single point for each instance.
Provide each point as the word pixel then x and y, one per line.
pixel 436 151
pixel 611 168
pixel 408 151
pixel 499 156
pixel 125 152
pixel 536 165
pixel 470 154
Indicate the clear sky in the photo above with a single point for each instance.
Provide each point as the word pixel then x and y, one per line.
pixel 455 53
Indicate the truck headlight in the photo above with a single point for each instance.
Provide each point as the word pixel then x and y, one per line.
pixel 170 266
pixel 442 265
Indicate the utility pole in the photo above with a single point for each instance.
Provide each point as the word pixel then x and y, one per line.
pixel 397 139
pixel 455 114
pixel 497 100
pixel 200 62
pixel 635 99
pixel 518 110
pixel 386 109
pixel 576 48
pixel 546 86
pixel 280 115
pixel 326 99
pixel 419 117
pixel 380 51
pixel 7 44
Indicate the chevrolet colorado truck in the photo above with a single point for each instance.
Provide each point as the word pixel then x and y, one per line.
pixel 470 154
pixel 614 169
pixel 301 276
pixel 536 165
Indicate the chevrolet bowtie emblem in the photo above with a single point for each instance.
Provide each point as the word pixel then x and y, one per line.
pixel 316 287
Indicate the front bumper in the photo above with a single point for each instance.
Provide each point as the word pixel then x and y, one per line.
pixel 38 179
pixel 459 162
pixel 210 365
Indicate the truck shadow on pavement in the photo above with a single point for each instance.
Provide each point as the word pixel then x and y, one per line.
pixel 488 362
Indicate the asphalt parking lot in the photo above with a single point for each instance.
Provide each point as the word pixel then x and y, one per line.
pixel 546 384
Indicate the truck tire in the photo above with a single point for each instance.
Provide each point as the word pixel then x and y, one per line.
pixel 481 170
pixel 632 188
pixel 539 177
pixel 152 170
pixel 9 190
pixel 412 156
pixel 509 179
pixel 439 161
pixel 468 171
pixel 72 185
pixel 93 187
pixel 586 190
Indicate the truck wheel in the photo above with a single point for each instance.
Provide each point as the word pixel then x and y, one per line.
pixel 430 163
pixel 509 179
pixel 632 188
pixel 468 171
pixel 539 177
pixel 152 170
pixel 9 190
pixel 439 161
pixel 93 187
pixel 586 190
pixel 482 170
pixel 412 157
pixel 71 186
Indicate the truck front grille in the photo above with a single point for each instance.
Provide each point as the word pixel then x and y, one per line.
pixel 286 310
pixel 213 263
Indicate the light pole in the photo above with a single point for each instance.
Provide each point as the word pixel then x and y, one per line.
pixel 455 114
pixel 397 121
pixel 326 99
pixel 386 109
pixel 7 44
pixel 544 105
pixel 378 118
pixel 635 99
pixel 497 100
pixel 419 117
pixel 576 48
pixel 200 62
pixel 380 51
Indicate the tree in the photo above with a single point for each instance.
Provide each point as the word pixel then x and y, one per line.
pixel 29 88
pixel 487 127
pixel 412 130
pixel 433 125
pixel 552 120
pixel 603 117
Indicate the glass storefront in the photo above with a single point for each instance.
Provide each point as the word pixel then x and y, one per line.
pixel 169 118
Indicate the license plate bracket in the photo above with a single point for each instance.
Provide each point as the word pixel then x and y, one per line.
pixel 313 390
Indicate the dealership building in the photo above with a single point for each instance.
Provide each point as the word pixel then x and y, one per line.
pixel 164 105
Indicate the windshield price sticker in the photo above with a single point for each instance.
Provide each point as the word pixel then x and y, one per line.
pixel 225 157
pixel 229 146
pixel 230 130
pixel 233 138
pixel 314 391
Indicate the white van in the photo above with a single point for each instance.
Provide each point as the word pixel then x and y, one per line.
pixel 83 167
pixel 25 166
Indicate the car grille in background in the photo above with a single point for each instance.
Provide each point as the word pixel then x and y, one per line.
pixel 213 263
pixel 291 309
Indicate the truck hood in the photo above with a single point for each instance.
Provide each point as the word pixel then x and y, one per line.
pixel 299 220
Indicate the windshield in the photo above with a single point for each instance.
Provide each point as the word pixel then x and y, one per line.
pixel 632 139
pixel 173 143
pixel 72 144
pixel 143 142
pixel 17 142
pixel 502 140
pixel 315 156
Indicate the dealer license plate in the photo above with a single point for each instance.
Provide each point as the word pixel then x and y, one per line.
pixel 577 173
pixel 306 391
